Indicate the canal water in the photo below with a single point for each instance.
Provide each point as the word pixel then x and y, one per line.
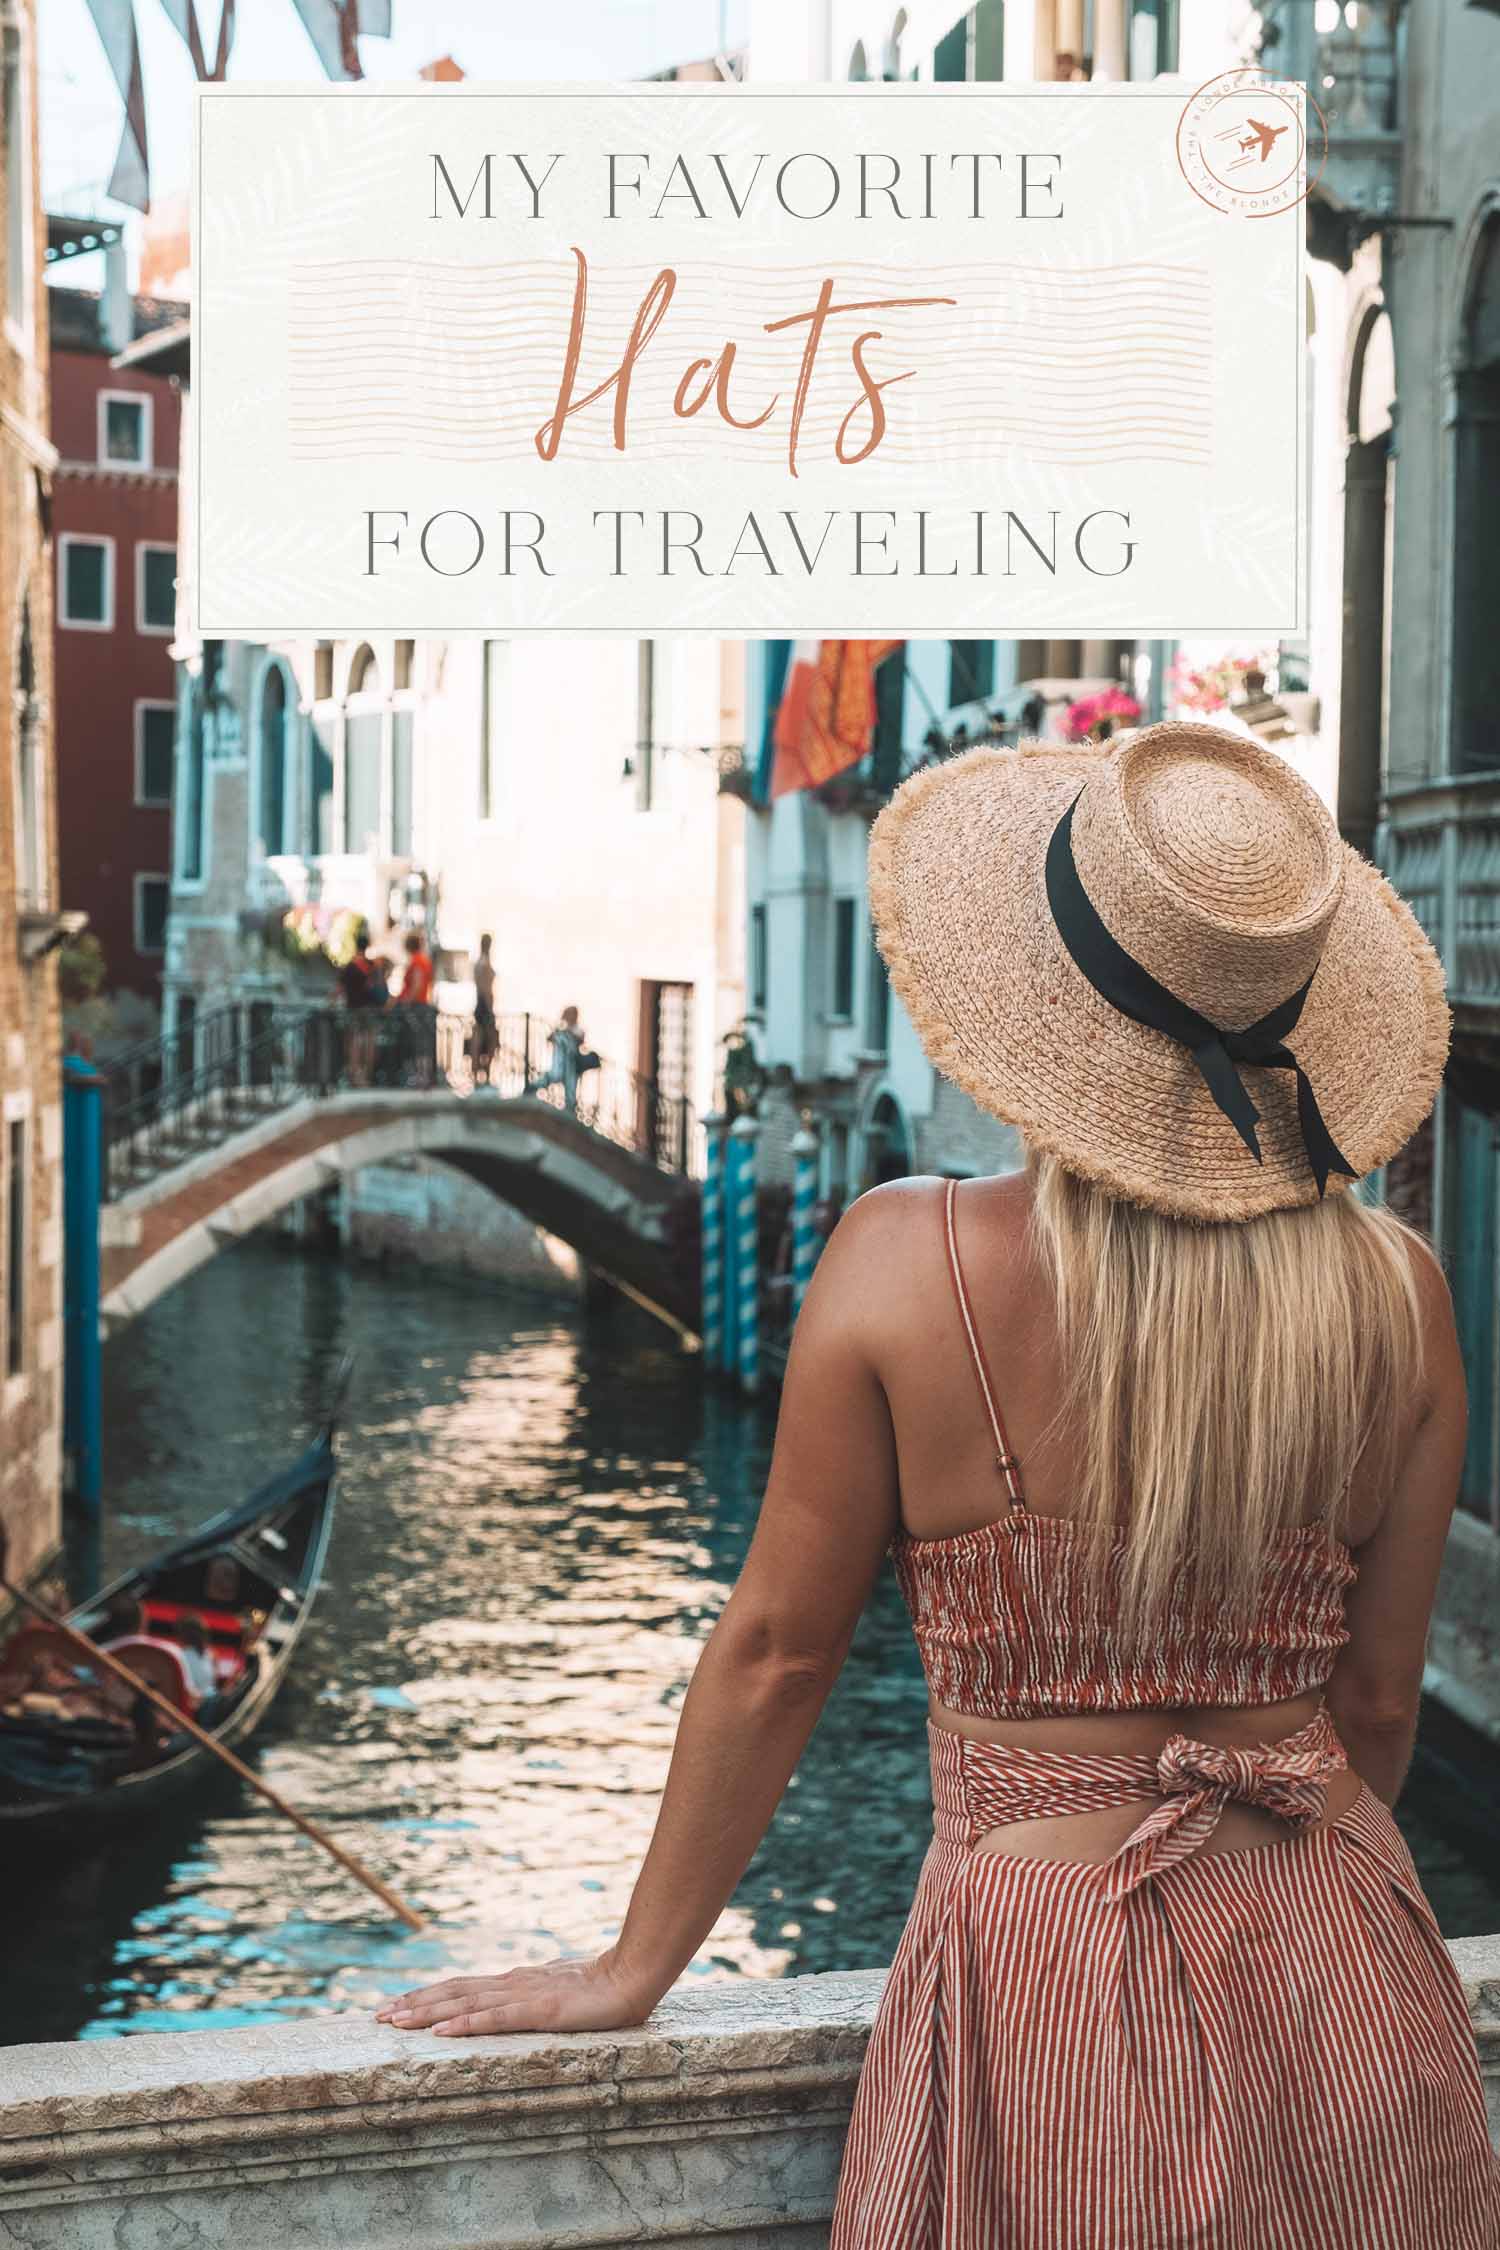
pixel 538 1523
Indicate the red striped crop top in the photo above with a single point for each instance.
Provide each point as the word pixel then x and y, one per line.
pixel 1010 1626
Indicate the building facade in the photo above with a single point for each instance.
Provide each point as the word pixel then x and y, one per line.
pixel 115 535
pixel 563 800
pixel 30 922
pixel 837 1048
pixel 1431 260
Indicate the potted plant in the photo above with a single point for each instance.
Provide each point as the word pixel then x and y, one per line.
pixel 1094 718
pixel 1207 688
pixel 317 941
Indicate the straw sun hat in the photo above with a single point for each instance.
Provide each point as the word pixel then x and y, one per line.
pixel 1159 960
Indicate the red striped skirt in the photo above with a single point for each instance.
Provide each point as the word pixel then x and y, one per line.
pixel 1266 2049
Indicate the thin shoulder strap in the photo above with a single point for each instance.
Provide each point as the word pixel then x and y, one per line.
pixel 1005 1460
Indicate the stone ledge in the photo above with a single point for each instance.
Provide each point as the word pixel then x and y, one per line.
pixel 718 2125
pixel 705 2041
pixel 719 2122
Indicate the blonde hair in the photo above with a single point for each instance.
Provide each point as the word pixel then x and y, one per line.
pixel 1222 1377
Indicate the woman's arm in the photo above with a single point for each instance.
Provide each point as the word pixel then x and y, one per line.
pixel 1376 1688
pixel 830 1508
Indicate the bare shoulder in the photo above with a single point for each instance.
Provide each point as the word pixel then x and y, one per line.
pixel 1429 1276
pixel 886 1261
pixel 888 1243
pixel 889 1219
pixel 1443 1378
pixel 905 1212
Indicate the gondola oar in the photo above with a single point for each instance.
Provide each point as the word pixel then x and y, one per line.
pixel 180 1719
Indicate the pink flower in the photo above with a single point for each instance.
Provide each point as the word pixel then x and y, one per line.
pixel 1084 718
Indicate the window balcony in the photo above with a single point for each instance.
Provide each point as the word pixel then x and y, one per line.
pixel 1348 53
pixel 1440 845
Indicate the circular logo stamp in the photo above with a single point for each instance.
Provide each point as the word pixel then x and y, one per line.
pixel 1243 142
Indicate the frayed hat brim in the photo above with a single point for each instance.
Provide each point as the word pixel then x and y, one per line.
pixel 958 898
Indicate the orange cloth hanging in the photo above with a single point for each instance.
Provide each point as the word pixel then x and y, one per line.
pixel 826 721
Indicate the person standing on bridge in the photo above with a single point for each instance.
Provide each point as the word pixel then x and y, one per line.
pixel 418 1017
pixel 486 1040
pixel 1163 1436
pixel 566 1062
pixel 363 995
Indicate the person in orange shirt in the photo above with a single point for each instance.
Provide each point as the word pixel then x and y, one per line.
pixel 416 982
pixel 416 1007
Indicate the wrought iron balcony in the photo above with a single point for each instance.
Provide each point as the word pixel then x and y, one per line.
pixel 1348 53
pixel 1440 845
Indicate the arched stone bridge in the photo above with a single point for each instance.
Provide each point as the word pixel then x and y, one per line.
pixel 630 1221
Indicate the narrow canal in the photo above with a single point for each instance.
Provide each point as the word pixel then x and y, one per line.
pixel 539 1521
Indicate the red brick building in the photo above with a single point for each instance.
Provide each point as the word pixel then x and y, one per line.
pixel 31 922
pixel 115 534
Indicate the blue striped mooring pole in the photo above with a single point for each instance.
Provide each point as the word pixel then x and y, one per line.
pixel 804 1199
pixel 83 1188
pixel 728 1358
pixel 712 1313
pixel 744 1225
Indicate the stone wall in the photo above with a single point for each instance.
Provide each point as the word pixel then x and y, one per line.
pixel 717 2126
pixel 30 1039
pixel 424 1214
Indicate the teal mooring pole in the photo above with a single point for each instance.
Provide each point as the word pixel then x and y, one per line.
pixel 83 1159
pixel 727 1357
pixel 804 1198
pixel 712 1313
pixel 745 1227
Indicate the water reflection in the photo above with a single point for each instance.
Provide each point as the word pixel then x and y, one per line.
pixel 537 1528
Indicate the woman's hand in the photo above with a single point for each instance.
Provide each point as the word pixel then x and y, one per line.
pixel 554 1996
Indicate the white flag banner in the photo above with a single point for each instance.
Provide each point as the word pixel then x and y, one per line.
pixel 183 17
pixel 331 25
pixel 835 362
pixel 114 20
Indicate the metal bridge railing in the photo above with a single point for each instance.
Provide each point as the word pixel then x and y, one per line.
pixel 169 1099
pixel 621 1104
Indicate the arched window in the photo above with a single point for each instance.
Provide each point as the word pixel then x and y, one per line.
pixel 18 189
pixel 273 744
pixel 888 1151
pixel 320 835
pixel 204 700
pixel 364 739
pixel 1474 717
pixel 1367 471
pixel 1153 38
pixel 31 834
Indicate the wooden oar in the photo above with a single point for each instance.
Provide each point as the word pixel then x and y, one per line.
pixel 97 1655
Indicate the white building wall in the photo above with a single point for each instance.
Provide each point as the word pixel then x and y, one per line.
pixel 587 895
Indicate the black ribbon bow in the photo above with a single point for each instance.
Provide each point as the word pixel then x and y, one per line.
pixel 1122 981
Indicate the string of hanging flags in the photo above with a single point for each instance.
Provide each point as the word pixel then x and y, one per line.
pixel 334 27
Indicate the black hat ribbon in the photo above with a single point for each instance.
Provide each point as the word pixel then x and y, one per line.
pixel 1219 1055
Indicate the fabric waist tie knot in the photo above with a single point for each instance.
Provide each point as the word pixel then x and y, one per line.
pixel 982 1785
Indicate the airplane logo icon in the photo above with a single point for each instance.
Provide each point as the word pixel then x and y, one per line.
pixel 1261 136
pixel 1243 146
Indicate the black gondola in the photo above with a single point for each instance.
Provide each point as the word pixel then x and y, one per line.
pixel 73 1762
